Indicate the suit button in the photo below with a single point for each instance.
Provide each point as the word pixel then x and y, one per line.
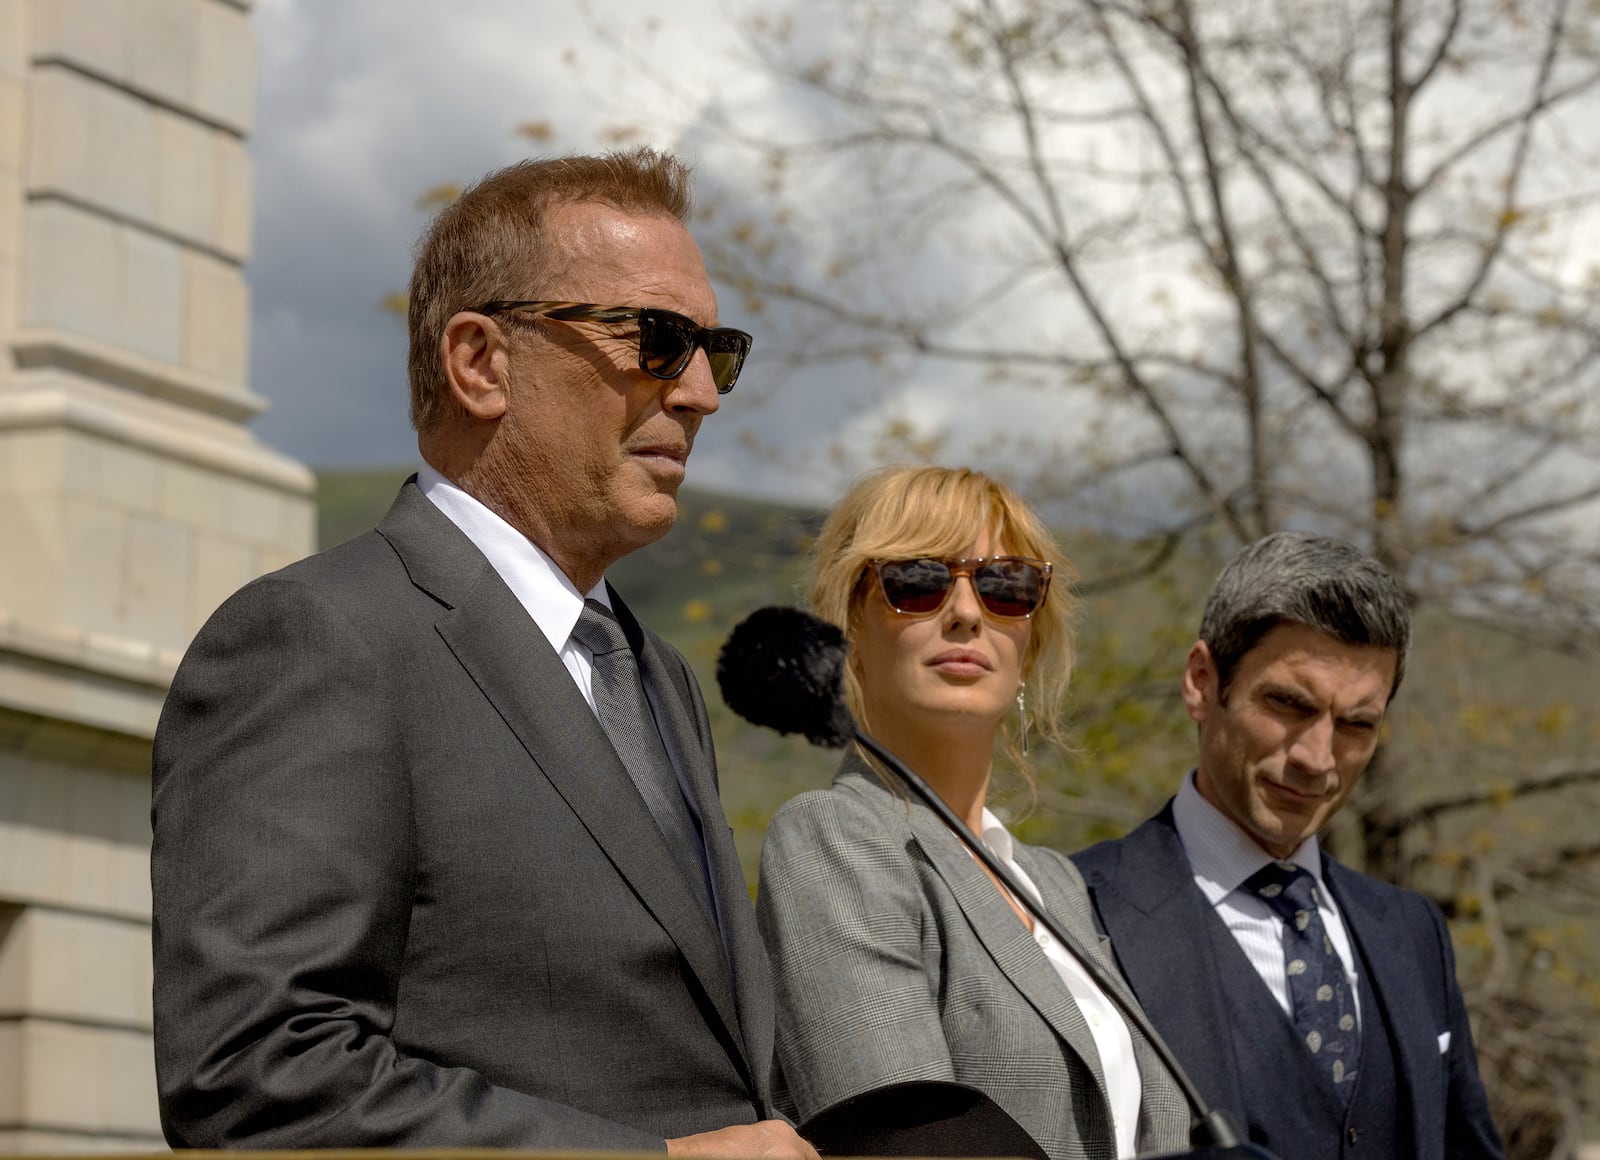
pixel 1352 1135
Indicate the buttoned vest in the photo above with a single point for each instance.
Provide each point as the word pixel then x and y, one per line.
pixel 1289 1107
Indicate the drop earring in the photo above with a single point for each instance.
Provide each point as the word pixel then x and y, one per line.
pixel 1022 714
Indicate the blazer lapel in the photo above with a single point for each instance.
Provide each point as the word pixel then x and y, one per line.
pixel 690 749
pixel 678 733
pixel 1156 918
pixel 513 665
pixel 1007 940
pixel 1385 945
pixel 1159 1085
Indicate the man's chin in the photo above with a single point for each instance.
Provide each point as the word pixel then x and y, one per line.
pixel 1281 836
pixel 651 516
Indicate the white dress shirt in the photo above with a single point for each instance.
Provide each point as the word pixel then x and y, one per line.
pixel 1222 857
pixel 1111 1039
pixel 551 599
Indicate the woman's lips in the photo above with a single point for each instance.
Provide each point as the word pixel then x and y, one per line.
pixel 961 662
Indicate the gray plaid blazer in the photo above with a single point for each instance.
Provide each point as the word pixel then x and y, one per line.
pixel 894 958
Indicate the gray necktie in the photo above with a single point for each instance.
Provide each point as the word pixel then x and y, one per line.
pixel 625 715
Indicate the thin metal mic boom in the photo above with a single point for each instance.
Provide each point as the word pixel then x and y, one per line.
pixel 1211 1129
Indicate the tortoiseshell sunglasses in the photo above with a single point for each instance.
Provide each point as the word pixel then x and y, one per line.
pixel 667 339
pixel 1010 587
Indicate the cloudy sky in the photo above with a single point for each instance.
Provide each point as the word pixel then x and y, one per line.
pixel 366 104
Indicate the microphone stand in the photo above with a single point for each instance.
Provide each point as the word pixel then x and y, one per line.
pixel 1210 1129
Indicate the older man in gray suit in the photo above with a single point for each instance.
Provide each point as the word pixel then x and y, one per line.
pixel 439 858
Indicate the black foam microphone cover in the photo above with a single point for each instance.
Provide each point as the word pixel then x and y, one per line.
pixel 781 668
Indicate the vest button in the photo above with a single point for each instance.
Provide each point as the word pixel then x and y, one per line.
pixel 1352 1135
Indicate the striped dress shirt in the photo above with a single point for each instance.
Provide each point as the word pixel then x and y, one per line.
pixel 1222 856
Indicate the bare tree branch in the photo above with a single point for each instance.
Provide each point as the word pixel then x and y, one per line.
pixel 1546 782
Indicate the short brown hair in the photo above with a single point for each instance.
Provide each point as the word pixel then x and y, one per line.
pixel 490 243
pixel 908 512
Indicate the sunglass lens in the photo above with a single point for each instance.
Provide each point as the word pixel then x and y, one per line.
pixel 724 369
pixel 726 350
pixel 915 585
pixel 1013 588
pixel 666 343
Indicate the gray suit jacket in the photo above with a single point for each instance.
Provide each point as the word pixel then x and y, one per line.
pixel 895 958
pixel 405 893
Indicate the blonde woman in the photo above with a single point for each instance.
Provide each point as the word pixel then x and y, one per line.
pixel 896 956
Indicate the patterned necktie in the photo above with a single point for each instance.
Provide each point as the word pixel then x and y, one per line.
pixel 1324 1009
pixel 625 716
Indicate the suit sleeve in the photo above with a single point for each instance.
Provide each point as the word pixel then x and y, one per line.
pixel 1469 1128
pixel 845 924
pixel 282 872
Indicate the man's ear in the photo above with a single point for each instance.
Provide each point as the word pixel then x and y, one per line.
pixel 1201 692
pixel 476 365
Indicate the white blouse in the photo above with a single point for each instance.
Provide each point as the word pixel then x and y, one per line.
pixel 1111 1039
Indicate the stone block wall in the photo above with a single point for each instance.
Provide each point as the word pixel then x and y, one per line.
pixel 133 500
pixel 125 544
pixel 75 1070
pixel 126 123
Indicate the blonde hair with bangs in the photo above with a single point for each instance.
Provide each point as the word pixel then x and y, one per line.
pixel 903 513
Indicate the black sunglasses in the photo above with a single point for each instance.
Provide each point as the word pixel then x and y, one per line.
pixel 667 339
pixel 1010 587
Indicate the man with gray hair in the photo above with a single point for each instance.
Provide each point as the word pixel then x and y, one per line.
pixel 1317 1006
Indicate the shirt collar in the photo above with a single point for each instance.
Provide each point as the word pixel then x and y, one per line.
pixel 1221 855
pixel 551 599
pixel 997 837
pixel 1004 847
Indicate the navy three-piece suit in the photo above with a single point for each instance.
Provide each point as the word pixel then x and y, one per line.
pixel 1418 1094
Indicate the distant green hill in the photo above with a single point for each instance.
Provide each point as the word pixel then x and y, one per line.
pixel 350 502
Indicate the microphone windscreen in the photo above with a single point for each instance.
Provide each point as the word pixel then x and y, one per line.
pixel 781 668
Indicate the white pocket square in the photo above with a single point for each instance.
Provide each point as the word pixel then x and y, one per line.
pixel 1444 1042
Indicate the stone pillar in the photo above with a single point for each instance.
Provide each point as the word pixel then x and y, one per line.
pixel 132 501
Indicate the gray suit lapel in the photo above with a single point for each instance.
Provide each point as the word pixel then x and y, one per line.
pixel 678 733
pixel 688 748
pixel 513 665
pixel 1008 941
pixel 1159 1087
pixel 1150 905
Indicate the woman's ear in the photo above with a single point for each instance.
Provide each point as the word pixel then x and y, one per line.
pixel 477 365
